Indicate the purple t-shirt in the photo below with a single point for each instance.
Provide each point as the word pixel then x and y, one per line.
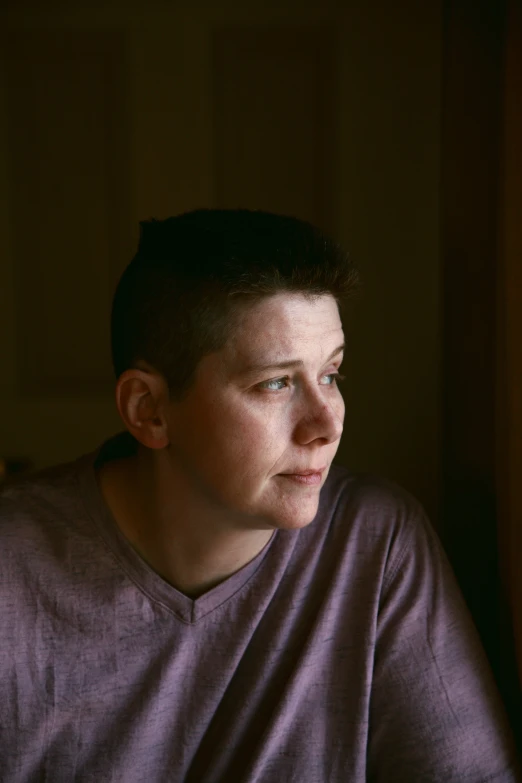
pixel 342 652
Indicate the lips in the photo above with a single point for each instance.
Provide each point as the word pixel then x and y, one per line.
pixel 309 477
pixel 307 472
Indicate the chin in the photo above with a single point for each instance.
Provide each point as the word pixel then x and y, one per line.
pixel 295 519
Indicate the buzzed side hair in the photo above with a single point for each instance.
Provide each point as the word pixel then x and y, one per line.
pixel 177 299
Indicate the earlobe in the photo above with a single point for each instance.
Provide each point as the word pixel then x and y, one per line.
pixel 139 399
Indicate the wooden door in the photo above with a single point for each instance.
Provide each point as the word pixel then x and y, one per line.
pixel 509 331
pixel 112 113
pixel 111 118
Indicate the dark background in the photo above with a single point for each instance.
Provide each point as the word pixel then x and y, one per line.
pixel 394 126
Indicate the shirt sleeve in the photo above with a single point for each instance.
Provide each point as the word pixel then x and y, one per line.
pixel 435 713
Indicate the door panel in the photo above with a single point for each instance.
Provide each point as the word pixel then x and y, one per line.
pixel 66 129
pixel 113 115
pixel 273 92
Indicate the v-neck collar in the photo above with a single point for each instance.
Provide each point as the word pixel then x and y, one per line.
pixel 188 610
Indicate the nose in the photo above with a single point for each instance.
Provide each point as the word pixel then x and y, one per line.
pixel 321 419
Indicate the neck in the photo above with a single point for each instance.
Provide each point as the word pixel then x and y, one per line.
pixel 189 543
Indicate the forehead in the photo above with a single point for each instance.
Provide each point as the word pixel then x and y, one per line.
pixel 276 327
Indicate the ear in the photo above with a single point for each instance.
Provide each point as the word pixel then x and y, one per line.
pixel 141 398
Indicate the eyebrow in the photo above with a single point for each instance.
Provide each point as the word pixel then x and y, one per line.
pixel 285 365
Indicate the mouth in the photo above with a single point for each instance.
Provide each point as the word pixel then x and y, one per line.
pixel 305 477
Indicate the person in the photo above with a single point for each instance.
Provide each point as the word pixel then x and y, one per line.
pixel 207 597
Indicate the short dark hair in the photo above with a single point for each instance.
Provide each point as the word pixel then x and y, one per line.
pixel 176 300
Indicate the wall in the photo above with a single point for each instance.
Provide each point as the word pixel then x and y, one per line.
pixel 157 154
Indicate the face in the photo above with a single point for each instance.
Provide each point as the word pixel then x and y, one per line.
pixel 263 412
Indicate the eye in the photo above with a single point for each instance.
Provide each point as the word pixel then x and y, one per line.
pixel 334 377
pixel 276 384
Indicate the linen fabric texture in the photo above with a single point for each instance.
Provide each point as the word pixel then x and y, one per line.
pixel 342 652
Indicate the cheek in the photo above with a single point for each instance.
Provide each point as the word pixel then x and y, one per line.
pixel 245 438
pixel 248 437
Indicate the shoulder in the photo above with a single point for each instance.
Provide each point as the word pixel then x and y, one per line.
pixel 376 526
pixel 371 491
pixel 37 509
pixel 43 489
pixel 372 507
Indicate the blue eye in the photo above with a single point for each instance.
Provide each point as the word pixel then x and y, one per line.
pixel 335 378
pixel 278 384
pixel 281 383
